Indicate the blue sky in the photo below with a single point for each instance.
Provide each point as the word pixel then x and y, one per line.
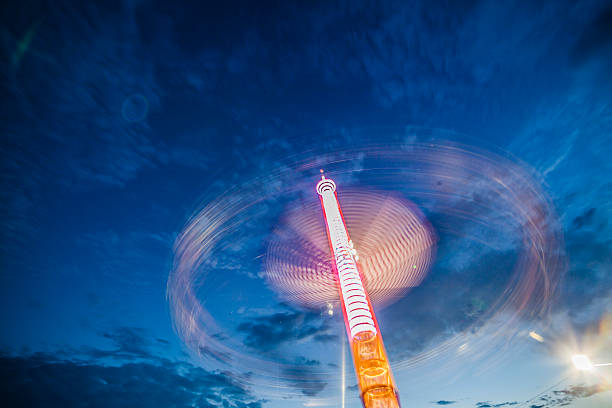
pixel 123 119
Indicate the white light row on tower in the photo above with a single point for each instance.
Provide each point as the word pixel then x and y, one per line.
pixel 353 293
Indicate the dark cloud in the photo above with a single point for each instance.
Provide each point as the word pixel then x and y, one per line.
pixel 309 387
pixel 581 391
pixel 584 219
pixel 129 341
pixel 489 404
pixel 268 332
pixel 48 381
pixel 444 402
pixel 586 282
pixel 127 344
pixel 557 398
pixel 304 377
pixel 307 361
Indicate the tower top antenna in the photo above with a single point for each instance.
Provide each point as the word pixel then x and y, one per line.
pixel 325 185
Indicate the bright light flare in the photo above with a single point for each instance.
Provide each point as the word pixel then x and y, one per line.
pixel 582 362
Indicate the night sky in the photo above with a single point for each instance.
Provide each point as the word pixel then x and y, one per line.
pixel 128 125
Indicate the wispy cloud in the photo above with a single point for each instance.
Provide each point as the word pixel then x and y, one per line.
pixel 560 398
pixel 266 333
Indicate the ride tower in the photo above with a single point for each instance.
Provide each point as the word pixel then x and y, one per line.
pixel 372 368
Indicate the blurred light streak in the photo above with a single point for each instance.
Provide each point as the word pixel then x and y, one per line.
pixel 536 336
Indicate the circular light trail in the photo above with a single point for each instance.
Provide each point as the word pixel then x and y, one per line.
pixel 482 199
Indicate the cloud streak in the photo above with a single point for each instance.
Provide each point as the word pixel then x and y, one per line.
pixel 266 333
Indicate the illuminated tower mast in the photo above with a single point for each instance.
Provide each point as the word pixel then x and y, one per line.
pixel 371 365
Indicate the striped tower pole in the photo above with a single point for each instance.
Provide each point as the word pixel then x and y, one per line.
pixel 369 358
